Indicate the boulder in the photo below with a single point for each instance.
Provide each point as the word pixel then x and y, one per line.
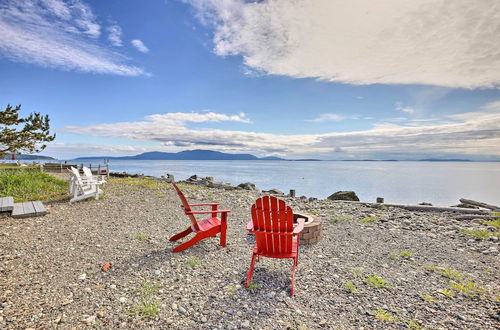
pixel 193 178
pixel 248 186
pixel 344 196
pixel 275 192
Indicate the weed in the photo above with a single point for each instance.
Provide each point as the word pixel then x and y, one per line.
pixel 357 271
pixel 351 287
pixel 412 324
pixel 193 262
pixel 145 310
pixel 314 212
pixel 495 214
pixel 339 219
pixel 429 267
pixel 393 256
pixel 406 254
pixel 468 289
pixel 148 288
pixel 428 297
pixel 232 290
pixel 253 286
pixel 142 237
pixel 481 233
pixel 376 281
pixel 449 273
pixel 331 212
pixel 369 219
pixel 383 315
pixel 493 223
pixel 447 293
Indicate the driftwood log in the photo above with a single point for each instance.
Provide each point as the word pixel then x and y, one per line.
pixel 476 216
pixel 422 208
pixel 480 204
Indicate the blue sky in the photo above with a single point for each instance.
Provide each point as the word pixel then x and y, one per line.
pixel 303 78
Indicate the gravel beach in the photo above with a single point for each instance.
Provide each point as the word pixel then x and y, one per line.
pixel 373 268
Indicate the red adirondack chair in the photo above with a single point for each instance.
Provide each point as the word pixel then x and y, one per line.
pixel 209 227
pixel 272 223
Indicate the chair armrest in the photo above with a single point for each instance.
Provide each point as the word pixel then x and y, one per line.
pixel 297 230
pixel 250 225
pixel 204 204
pixel 206 212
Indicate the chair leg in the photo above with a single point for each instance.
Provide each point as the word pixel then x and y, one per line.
pixel 181 234
pixel 250 271
pixel 223 228
pixel 292 289
pixel 189 243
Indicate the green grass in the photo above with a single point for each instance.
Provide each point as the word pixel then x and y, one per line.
pixel 377 282
pixel 406 254
pixel 449 273
pixel 468 289
pixel 393 256
pixel 340 219
pixel 447 293
pixel 253 286
pixel 30 184
pixel 368 219
pixel 384 316
pixel 193 262
pixel 412 324
pixel 349 286
pixel 357 271
pixel 429 267
pixel 148 288
pixel 481 233
pixel 493 223
pixel 428 297
pixel 495 214
pixel 232 290
pixel 145 310
pixel 142 237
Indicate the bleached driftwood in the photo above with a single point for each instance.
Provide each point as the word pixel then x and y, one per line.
pixel 480 204
pixel 422 208
pixel 476 216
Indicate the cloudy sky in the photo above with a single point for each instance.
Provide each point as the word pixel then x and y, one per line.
pixel 328 79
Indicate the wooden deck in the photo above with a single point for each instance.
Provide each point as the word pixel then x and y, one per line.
pixel 22 210
pixel 6 204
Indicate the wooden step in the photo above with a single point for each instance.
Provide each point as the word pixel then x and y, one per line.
pixel 28 209
pixel 6 204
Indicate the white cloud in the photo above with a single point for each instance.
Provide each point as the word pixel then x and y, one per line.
pixel 139 45
pixel 401 108
pixel 326 117
pixel 57 34
pixel 450 43
pixel 473 133
pixel 115 35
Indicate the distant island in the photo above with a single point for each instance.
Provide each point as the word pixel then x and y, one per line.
pixel 28 157
pixel 187 155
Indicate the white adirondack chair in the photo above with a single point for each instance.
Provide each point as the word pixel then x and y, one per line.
pixel 82 187
pixel 98 178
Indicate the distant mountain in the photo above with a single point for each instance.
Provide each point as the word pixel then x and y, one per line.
pixel 444 160
pixel 29 157
pixel 187 155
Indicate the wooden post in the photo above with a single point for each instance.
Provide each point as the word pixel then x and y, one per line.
pixel 99 169
pixel 107 168
pixel 380 199
pixel 292 193
pixel 61 169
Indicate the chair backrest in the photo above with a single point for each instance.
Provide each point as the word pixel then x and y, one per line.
pixel 185 206
pixel 87 172
pixel 77 176
pixel 271 218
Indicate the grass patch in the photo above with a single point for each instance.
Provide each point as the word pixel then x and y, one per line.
pixel 141 237
pixel 253 286
pixel 377 282
pixel 368 219
pixel 447 293
pixel 481 233
pixel 406 254
pixel 148 288
pixel 384 316
pixel 314 212
pixel 428 297
pixel 232 290
pixel 412 324
pixel 29 185
pixel 393 256
pixel 493 223
pixel 349 286
pixel 340 219
pixel 145 310
pixel 429 267
pixel 357 271
pixel 495 214
pixel 468 289
pixel 449 273
pixel 193 262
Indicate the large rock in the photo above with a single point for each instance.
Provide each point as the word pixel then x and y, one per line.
pixel 248 186
pixel 275 191
pixel 344 196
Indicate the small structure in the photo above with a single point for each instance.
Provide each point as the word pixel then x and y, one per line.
pixel 22 210
pixel 209 227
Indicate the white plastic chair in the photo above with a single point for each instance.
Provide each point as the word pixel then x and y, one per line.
pixel 82 187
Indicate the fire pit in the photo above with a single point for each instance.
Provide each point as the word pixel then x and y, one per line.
pixel 312 228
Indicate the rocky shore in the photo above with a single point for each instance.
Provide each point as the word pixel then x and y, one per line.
pixel 375 267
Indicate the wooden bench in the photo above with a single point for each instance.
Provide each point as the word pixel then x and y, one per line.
pixel 6 204
pixel 22 210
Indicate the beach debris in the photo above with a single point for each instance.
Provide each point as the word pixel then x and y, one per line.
pixel 106 266
pixel 480 204
pixel 248 186
pixel 344 196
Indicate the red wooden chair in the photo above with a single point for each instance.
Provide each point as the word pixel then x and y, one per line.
pixel 209 227
pixel 272 223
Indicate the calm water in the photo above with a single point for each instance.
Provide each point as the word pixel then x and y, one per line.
pixel 440 183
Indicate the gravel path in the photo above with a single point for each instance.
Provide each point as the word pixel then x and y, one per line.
pixel 431 274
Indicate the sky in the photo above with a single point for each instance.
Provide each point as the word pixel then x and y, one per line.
pixel 327 79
